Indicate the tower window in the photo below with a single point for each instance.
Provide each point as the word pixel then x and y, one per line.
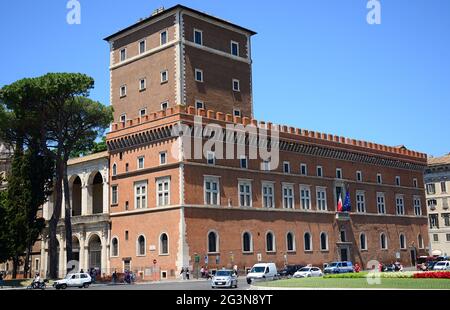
pixel 198 75
pixel 198 37
pixel 236 85
pixel 234 48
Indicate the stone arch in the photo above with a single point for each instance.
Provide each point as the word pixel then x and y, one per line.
pixel 95 252
pixel 75 185
pixel 95 182
pixel 76 248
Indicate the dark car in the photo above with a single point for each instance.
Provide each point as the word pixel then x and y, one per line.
pixel 289 270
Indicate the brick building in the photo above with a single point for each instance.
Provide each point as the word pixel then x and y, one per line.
pixel 169 211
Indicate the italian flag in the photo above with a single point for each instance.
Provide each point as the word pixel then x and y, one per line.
pixel 339 206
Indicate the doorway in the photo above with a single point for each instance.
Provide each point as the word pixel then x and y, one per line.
pixel 413 257
pixel 344 254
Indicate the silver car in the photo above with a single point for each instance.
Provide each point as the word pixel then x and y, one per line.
pixel 224 278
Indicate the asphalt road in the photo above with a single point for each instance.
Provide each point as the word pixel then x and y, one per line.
pixel 169 285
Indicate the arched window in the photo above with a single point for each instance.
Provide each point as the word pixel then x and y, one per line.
pixel 114 247
pixel 402 242
pixel 141 246
pixel 114 169
pixel 270 242
pixel 323 242
pixel 383 241
pixel 307 240
pixel 290 242
pixel 420 241
pixel 163 244
pixel 213 242
pixel 363 241
pixel 247 242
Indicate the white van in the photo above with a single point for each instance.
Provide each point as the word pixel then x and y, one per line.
pixel 262 271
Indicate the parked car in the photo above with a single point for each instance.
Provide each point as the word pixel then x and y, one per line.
pixel 339 267
pixel 262 271
pixel 289 270
pixel 74 280
pixel 307 272
pixel 224 278
pixel 442 265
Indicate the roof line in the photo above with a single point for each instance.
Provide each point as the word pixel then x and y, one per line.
pixel 178 6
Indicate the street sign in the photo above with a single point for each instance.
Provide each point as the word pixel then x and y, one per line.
pixel 154 261
pixel 259 257
pixel 217 259
pixel 397 255
pixel 206 259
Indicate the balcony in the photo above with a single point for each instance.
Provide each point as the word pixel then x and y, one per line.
pixel 342 216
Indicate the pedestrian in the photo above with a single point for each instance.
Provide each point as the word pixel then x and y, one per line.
pixel 1 279
pixel 235 270
pixel 114 277
pixel 81 271
pixel 182 273
pixel 202 272
pixel 187 273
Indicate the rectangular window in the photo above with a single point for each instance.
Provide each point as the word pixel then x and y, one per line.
pixel 126 237
pixel 244 162
pixel 381 207
pixel 379 179
pixel 164 106
pixel 163 158
pixel 123 118
pixel 305 197
pixel 123 91
pixel 436 237
pixel 123 54
pixel 321 193
pixel 400 205
pixel 360 202
pixel 443 187
pixel 234 48
pixel 286 167
pixel 236 112
pixel 359 177
pixel 198 75
pixel 211 158
pixel 448 237
pixel 288 196
pixel 163 37
pixel 199 104
pixel 245 194
pixel 212 196
pixel 415 183
pixel 417 206
pixel 268 195
pixel 142 112
pixel 397 181
pixel 142 47
pixel 434 221
pixel 303 169
pixel 164 76
pixel 338 173
pixel 114 195
pixel 446 218
pixel 431 189
pixel 140 162
pixel 127 167
pixel 142 84
pixel 265 165
pixel 236 85
pixel 163 191
pixel 198 37
pixel 319 171
pixel 140 195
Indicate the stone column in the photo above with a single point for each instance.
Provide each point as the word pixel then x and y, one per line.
pixel 84 199
pixel 43 260
pixel 104 239
pixel 82 251
pixel 61 259
pixel 105 196
pixel 86 253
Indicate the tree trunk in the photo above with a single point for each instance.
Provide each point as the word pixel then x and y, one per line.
pixel 67 218
pixel 15 266
pixel 26 264
pixel 53 223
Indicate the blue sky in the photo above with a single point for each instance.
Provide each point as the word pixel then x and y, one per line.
pixel 318 65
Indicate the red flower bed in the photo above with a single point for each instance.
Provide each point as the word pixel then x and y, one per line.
pixel 432 275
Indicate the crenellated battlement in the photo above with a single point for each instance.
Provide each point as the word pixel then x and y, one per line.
pixel 228 118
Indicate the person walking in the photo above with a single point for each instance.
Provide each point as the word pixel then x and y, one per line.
pixel 187 273
pixel 114 277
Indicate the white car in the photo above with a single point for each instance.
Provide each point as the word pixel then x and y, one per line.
pixel 224 278
pixel 262 272
pixel 307 272
pixel 74 280
pixel 442 265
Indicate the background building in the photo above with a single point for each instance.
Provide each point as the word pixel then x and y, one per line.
pixel 437 179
